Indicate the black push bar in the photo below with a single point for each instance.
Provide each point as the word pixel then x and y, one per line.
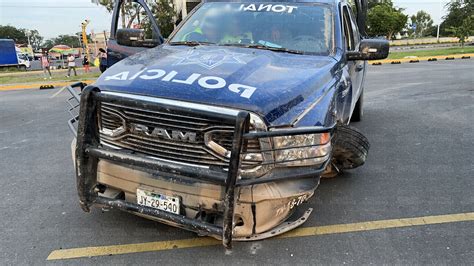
pixel 89 150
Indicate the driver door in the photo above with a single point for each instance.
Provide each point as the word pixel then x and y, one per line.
pixel 357 68
pixel 133 29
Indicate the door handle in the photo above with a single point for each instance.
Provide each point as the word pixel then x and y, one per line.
pixel 359 68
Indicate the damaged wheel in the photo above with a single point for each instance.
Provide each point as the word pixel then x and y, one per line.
pixel 351 148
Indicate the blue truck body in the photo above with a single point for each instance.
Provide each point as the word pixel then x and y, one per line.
pixel 277 86
pixel 8 54
pixel 287 86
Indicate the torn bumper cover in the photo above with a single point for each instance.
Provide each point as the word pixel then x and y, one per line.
pixel 91 155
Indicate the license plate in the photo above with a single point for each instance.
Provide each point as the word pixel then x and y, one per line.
pixel 158 201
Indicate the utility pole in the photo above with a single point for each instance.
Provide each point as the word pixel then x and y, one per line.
pixel 94 40
pixel 439 23
pixel 79 36
pixel 28 33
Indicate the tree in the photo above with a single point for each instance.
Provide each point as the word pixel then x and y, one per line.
pixel 36 39
pixel 373 3
pixel 423 23
pixel 69 40
pixel 20 36
pixel 108 4
pixel 73 41
pixel 464 30
pixel 163 11
pixel 458 10
pixel 166 15
pixel 48 44
pixel 460 19
pixel 384 19
pixel 10 32
pixel 128 11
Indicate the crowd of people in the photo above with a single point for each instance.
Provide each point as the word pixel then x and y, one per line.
pixel 101 57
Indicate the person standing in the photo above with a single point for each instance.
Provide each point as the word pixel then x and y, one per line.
pixel 71 64
pixel 85 63
pixel 102 60
pixel 46 65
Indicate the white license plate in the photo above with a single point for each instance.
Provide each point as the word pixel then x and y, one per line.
pixel 158 201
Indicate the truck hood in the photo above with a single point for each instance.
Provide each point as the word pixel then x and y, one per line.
pixel 277 86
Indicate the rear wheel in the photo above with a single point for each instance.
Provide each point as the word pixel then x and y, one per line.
pixel 359 109
pixel 350 148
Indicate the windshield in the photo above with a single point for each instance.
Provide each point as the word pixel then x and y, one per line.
pixel 22 56
pixel 299 27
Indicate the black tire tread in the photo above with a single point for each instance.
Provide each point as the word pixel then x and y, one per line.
pixel 351 148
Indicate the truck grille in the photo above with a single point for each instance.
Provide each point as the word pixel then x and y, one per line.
pixel 117 121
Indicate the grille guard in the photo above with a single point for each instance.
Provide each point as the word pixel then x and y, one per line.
pixel 89 151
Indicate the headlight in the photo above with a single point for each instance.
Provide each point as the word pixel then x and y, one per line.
pixel 302 150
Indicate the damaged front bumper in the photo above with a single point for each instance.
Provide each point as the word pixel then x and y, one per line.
pixel 279 190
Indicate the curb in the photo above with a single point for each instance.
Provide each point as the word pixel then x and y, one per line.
pixel 419 59
pixel 40 85
pixel 45 87
pixel 38 71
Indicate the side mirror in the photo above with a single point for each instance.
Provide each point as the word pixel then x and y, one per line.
pixel 134 38
pixel 370 49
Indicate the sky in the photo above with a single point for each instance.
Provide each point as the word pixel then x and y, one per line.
pixel 54 17
pixel 434 7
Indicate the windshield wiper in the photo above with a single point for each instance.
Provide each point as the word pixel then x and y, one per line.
pixel 190 43
pixel 275 49
pixel 265 47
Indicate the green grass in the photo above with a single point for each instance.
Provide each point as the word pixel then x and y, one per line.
pixel 30 77
pixel 10 69
pixel 428 53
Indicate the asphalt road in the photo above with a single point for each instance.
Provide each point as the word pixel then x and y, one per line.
pixel 418 117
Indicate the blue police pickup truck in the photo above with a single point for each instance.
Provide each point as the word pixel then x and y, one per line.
pixel 227 126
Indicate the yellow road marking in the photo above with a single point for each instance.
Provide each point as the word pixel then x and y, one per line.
pixel 37 85
pixel 300 232
pixel 425 58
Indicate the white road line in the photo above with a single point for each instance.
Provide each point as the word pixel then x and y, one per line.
pixel 58 92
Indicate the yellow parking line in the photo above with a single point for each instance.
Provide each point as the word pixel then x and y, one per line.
pixel 300 232
pixel 37 85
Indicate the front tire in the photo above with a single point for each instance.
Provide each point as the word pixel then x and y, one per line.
pixel 351 148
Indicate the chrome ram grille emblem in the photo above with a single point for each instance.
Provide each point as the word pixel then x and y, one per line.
pixel 163 133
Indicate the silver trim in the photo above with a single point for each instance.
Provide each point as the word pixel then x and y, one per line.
pixel 197 106
pixel 257 123
pixel 156 158
pixel 112 132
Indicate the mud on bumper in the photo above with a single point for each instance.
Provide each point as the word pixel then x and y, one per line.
pixel 89 152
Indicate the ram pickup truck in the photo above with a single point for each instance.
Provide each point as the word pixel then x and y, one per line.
pixel 227 126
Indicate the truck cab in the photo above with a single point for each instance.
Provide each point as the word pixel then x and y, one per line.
pixel 227 126
pixel 23 60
